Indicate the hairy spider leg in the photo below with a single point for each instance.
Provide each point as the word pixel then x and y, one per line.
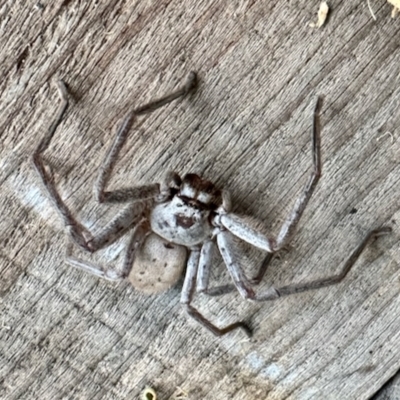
pixel 109 273
pixel 188 290
pixel 241 228
pixel 129 194
pixel 129 216
pixel 226 246
pixel 203 273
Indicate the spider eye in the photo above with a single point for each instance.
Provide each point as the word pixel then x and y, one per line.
pixel 199 192
pixel 204 197
pixel 188 191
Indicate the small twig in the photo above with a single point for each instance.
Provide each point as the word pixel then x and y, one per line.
pixel 182 394
pixel 387 133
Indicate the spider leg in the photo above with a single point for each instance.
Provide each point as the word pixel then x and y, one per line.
pixel 140 192
pixel 81 235
pixel 188 290
pixel 334 279
pixel 226 247
pixel 256 280
pixel 242 229
pixel 110 274
pixel 203 273
pixel 91 268
pixel 117 227
pixel 290 224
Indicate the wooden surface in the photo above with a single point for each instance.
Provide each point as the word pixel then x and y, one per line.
pixel 67 335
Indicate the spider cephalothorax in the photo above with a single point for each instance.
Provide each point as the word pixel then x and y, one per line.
pixel 200 193
pixel 185 219
pixel 181 222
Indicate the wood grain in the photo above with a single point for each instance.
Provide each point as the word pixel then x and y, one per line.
pixel 67 335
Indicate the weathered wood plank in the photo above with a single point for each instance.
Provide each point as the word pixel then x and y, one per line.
pixel 65 334
pixel 391 390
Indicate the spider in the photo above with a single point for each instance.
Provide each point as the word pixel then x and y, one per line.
pixel 180 221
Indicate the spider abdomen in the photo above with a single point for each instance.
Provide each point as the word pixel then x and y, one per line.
pixel 158 265
pixel 181 223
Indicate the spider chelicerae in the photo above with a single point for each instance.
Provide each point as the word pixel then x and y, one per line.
pixel 179 222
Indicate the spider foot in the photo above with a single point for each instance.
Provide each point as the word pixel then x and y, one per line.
pixel 247 330
pixel 62 90
pixel 381 231
pixel 81 236
pixel 49 172
pixel 237 325
pixel 192 82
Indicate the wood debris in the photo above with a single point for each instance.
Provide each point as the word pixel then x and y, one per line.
pixel 371 10
pixel 396 7
pixel 149 394
pixel 322 15
pixel 181 394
